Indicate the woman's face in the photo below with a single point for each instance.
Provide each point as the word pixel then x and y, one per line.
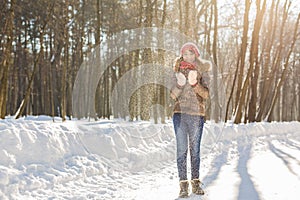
pixel 189 56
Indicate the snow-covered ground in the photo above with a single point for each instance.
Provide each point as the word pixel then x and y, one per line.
pixel 114 159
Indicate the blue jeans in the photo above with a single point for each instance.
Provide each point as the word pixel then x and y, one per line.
pixel 188 131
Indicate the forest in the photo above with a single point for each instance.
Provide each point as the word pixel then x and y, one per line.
pixel 254 46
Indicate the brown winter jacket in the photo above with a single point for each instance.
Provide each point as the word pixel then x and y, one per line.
pixel 188 99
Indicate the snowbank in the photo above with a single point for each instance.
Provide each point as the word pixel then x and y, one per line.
pixel 38 140
pixel 37 154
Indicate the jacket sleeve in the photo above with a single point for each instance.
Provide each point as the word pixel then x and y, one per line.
pixel 176 90
pixel 201 88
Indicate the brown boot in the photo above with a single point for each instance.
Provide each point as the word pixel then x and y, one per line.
pixel 196 187
pixel 184 189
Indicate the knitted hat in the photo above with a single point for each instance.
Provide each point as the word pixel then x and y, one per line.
pixel 190 46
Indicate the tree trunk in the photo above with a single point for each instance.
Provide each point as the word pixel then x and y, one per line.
pixel 6 60
pixel 35 67
pixel 254 62
pixel 29 87
pixel 253 57
pixel 269 38
pixel 216 110
pixel 285 70
pixel 244 45
pixel 275 64
pixel 98 28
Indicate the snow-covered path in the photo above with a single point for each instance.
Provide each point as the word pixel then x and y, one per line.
pixel 40 159
pixel 267 167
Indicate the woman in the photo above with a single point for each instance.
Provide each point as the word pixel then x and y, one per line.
pixel 190 92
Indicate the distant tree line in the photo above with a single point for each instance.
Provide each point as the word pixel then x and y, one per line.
pixel 254 45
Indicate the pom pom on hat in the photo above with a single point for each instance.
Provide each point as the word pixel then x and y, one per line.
pixel 190 46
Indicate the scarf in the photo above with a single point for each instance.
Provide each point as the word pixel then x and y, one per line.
pixel 186 65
